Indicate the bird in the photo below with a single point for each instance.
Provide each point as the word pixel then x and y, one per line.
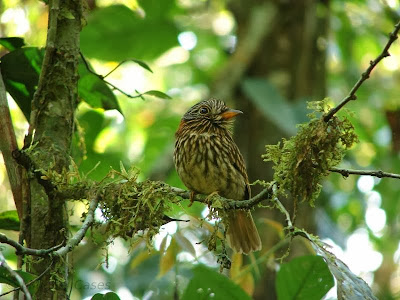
pixel 208 161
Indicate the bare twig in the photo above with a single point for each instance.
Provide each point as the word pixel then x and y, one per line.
pixel 8 143
pixel 101 77
pixel 20 249
pixel 30 282
pixel 58 250
pixel 76 239
pixel 16 276
pixel 375 173
pixel 364 76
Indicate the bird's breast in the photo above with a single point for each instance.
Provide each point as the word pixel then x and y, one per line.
pixel 205 165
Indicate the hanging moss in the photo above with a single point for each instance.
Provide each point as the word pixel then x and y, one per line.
pixel 135 206
pixel 301 162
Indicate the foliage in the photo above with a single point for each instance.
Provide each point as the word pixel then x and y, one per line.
pixel 301 162
pixel 298 278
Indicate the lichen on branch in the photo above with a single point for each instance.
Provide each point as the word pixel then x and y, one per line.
pixel 301 162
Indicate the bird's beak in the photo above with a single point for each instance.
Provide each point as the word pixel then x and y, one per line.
pixel 230 113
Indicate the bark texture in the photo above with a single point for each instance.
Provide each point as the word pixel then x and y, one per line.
pixel 53 121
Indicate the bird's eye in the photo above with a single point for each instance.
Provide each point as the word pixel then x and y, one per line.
pixel 204 110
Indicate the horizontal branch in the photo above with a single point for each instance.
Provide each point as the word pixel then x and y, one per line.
pixel 21 250
pixel 366 74
pixel 229 203
pixel 57 250
pixel 375 173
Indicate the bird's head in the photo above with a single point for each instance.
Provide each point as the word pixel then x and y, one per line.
pixel 211 113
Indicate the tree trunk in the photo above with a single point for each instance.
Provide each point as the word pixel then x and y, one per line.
pixel 52 118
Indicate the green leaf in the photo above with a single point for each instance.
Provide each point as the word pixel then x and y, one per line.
pixel 9 220
pixel 108 296
pixel 7 278
pixel 268 99
pixel 95 91
pixel 157 94
pixel 20 70
pixel 306 277
pixel 12 43
pixel 349 286
pixel 142 64
pixel 117 33
pixel 209 284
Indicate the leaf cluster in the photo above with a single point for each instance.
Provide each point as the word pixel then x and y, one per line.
pixel 301 162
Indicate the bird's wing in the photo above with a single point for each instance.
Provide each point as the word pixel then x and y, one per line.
pixel 238 162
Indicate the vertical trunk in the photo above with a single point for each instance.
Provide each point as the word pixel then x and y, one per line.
pixel 53 106
pixel 291 56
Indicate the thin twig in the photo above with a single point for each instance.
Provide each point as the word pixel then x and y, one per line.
pixel 28 251
pixel 375 173
pixel 30 282
pixel 101 77
pixel 365 75
pixel 76 239
pixel 16 276
pixel 57 250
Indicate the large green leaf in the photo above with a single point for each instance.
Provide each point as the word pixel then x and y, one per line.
pixel 272 104
pixel 117 33
pixel 306 277
pixel 9 220
pixel 108 296
pixel 12 43
pixel 209 284
pixel 20 70
pixel 349 286
pixel 7 278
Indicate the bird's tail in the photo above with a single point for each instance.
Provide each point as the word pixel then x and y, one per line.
pixel 242 233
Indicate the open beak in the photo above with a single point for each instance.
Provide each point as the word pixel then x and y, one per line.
pixel 230 113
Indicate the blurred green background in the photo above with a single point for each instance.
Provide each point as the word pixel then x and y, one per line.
pixel 266 58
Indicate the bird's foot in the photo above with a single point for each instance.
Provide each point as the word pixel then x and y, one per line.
pixel 209 197
pixel 192 194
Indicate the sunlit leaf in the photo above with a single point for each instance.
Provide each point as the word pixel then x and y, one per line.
pixel 247 283
pixel 185 244
pixel 140 258
pixel 168 260
pixel 305 277
pixel 237 261
pixel 157 94
pixel 349 286
pixel 12 43
pixel 209 284
pixel 9 220
pixel 142 64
